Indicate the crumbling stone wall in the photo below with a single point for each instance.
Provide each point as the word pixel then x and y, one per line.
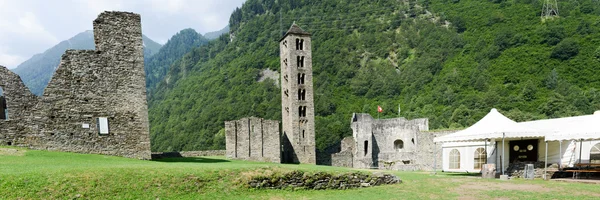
pixel 108 82
pixel 344 157
pixel 19 102
pixel 397 144
pixel 253 139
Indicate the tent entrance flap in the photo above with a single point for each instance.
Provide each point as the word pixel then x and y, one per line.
pixel 523 150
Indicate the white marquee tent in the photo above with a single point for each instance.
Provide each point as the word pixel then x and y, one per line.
pixel 495 127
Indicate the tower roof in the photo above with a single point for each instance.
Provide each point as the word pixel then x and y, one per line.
pixel 295 30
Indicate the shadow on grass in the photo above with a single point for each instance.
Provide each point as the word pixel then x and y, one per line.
pixel 461 174
pixel 192 160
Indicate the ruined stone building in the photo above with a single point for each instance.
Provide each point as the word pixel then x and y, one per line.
pixel 94 103
pixel 397 144
pixel 297 106
pixel 253 139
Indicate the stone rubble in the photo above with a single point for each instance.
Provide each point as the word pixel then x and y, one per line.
pixel 322 180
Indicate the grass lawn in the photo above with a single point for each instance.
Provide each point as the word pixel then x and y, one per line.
pixel 31 174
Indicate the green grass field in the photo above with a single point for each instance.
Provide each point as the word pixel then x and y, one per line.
pixel 31 174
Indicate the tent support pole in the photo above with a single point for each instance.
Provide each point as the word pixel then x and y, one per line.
pixel 502 157
pixel 580 146
pixel 560 155
pixel 496 150
pixel 546 163
pixel 486 152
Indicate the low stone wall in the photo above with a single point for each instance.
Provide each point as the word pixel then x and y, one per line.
pixel 517 170
pixel 321 180
pixel 158 155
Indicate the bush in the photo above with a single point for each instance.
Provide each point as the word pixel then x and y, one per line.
pixel 566 49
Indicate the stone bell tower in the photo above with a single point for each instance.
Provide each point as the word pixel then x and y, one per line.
pixel 297 106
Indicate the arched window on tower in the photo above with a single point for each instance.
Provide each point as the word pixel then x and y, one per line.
pixel 454 159
pixel 3 106
pixel 301 94
pixel 299 44
pixel 595 154
pixel 300 60
pixel 302 111
pixel 300 78
pixel 480 158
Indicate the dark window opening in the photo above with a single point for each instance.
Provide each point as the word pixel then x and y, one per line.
pixel 302 111
pixel 9 143
pixel 412 140
pixel 3 106
pixel 406 162
pixel 398 145
pixel 286 93
pixel 285 43
pixel 302 133
pixel 300 78
pixel 299 44
pixel 300 61
pixel 286 78
pixel 285 62
pixel 366 146
pixel 301 94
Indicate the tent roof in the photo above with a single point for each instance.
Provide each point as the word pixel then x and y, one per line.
pixel 493 126
pixel 586 127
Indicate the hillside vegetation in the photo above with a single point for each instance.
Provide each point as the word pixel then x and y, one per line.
pixel 448 60
pixel 156 67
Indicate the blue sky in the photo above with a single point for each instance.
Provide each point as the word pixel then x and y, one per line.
pixel 29 27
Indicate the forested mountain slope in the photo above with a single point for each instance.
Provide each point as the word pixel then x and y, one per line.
pixel 448 60
pixel 156 67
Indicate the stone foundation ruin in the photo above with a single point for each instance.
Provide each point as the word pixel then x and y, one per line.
pixel 94 103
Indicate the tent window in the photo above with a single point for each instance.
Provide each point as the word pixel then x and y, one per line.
pixel 454 159
pixel 398 145
pixel 595 154
pixel 3 107
pixel 480 158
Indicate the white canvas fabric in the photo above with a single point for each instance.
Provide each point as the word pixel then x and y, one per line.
pixel 585 127
pixel 493 126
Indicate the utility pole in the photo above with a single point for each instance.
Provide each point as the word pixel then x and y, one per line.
pixel 549 10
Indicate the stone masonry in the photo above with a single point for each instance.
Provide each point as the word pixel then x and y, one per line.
pixel 397 144
pixel 253 139
pixel 297 105
pixel 87 87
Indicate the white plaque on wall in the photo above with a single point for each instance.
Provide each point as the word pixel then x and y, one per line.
pixel 102 125
pixel 85 126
